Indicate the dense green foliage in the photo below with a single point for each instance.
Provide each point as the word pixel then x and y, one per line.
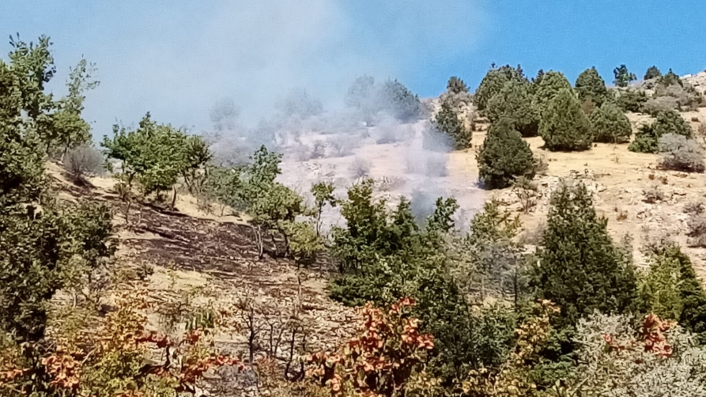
pixel 494 81
pixel 652 73
pixel 631 100
pixel 623 76
pixel 591 87
pixel 515 102
pixel 447 121
pixel 579 267
pixel 384 255
pixel 667 122
pixel 548 87
pixel 456 86
pixel 155 155
pixel 671 289
pixel 564 126
pixel 610 124
pixel 670 78
pixel 40 239
pixel 504 156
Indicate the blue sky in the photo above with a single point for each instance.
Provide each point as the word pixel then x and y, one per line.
pixel 177 58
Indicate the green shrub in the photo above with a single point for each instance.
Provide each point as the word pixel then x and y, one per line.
pixel 385 255
pixel 503 156
pixel 631 100
pixel 610 125
pixel 668 122
pixel 564 126
pixel 670 78
pixel 515 103
pixel 590 86
pixel 548 86
pixel 646 140
pixel 448 122
pixel 579 268
pixel 652 73
pixel 623 77
pixel 494 81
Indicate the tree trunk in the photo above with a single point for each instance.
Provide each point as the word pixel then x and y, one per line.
pixel 174 198
pixel 258 241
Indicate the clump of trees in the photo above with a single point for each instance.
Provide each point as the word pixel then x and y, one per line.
pixel 504 156
pixel 515 102
pixel 494 81
pixel 153 158
pixel 667 122
pixel 564 125
pixel 390 97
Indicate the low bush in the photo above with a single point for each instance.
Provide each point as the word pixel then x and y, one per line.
pixel 631 100
pixel 655 105
pixel 360 167
pixel 681 154
pixel 83 161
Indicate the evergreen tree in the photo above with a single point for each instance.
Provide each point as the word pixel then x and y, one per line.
pixel 515 103
pixel 652 73
pixel 564 126
pixel 590 86
pixel 494 81
pixel 670 78
pixel 671 289
pixel 549 86
pixel 623 77
pixel 579 267
pixel 503 156
pixel 610 124
pixel 448 122
pixel 456 85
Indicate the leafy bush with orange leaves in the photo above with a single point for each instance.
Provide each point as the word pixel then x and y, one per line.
pixel 386 359
pixel 618 359
pixel 122 358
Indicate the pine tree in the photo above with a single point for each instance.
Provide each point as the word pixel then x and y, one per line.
pixel 447 121
pixel 503 156
pixel 671 289
pixel 579 267
pixel 549 86
pixel 494 81
pixel 456 85
pixel 652 73
pixel 610 124
pixel 623 77
pixel 590 86
pixel 515 102
pixel 564 126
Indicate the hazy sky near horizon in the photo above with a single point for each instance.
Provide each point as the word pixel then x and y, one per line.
pixel 176 58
